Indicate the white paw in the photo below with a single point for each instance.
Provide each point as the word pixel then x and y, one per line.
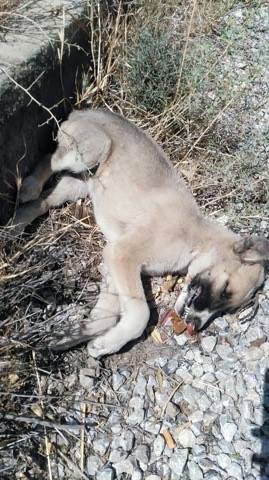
pixel 101 346
pixel 30 189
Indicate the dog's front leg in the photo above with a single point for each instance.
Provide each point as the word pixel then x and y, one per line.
pixel 124 266
pixel 102 317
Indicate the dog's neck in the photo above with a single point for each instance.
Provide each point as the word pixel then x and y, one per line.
pixel 207 242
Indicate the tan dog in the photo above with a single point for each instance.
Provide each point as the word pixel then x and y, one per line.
pixel 152 225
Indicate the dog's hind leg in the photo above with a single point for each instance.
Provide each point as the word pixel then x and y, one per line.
pixel 67 189
pixel 124 260
pixel 32 185
pixel 78 150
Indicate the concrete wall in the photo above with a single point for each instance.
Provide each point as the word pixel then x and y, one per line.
pixel 27 51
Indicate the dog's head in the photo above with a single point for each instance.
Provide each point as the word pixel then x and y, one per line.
pixel 222 281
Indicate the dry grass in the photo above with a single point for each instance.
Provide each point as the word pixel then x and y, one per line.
pixel 6 8
pixel 52 272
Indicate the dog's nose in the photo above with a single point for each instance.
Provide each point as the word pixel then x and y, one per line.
pixel 194 321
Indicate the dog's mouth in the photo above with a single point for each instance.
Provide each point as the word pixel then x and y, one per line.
pixel 193 322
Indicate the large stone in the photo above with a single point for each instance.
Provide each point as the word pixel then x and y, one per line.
pixel 208 343
pixel 195 472
pixel 186 438
pixel 158 445
pixel 178 461
pixel 106 474
pixel 94 464
pixel 228 431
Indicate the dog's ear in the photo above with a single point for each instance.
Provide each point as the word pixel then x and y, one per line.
pixel 252 249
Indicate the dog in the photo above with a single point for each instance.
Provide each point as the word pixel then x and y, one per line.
pixel 152 226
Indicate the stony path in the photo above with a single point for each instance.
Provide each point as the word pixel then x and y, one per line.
pixel 209 394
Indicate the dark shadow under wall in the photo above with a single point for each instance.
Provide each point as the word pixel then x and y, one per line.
pixel 26 131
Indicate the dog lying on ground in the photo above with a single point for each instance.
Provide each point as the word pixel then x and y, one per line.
pixel 152 226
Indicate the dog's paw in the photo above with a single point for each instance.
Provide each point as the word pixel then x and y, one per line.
pixel 30 189
pixel 68 338
pixel 101 346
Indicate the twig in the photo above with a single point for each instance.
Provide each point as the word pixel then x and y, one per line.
pixel 47 445
pixel 170 398
pixel 39 422
pixel 185 48
pixel 82 435
pixel 72 466
pixel 26 90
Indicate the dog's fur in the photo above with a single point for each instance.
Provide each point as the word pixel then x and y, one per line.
pixel 152 225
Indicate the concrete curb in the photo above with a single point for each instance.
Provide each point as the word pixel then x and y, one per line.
pixel 29 54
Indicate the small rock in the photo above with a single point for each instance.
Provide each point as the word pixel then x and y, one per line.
pixel 136 417
pixel 223 460
pixel 196 416
pixel 85 379
pixel 234 470
pixel 204 402
pixel 140 386
pixel 125 466
pixel 181 339
pixel 158 445
pixel 208 420
pixel 208 343
pixel 186 438
pixel 117 381
pixel 197 370
pixel 171 366
pixel 253 353
pixel 213 475
pixel 225 352
pixel 221 323
pixel 265 306
pixel 198 450
pixel 178 461
pixel 195 472
pixel 184 375
pixel 190 394
pixel 94 464
pixel 163 468
pixel 171 411
pixel 247 410
pixel 138 475
pixel 126 440
pixel 228 431
pixel 142 454
pixel 117 456
pixel 152 426
pixel 100 445
pixel 136 402
pixel 106 474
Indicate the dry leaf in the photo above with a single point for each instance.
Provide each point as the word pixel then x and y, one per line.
pixel 159 375
pixel 13 378
pixel 37 410
pixel 169 284
pixel 155 334
pixel 179 326
pixel 170 442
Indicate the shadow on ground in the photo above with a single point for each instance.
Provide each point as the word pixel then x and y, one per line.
pixel 262 458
